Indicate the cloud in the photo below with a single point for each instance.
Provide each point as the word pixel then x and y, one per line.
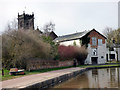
pixel 69 17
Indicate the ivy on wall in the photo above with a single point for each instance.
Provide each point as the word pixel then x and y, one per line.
pixel 85 40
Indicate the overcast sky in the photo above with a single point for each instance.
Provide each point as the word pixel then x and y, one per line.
pixel 69 16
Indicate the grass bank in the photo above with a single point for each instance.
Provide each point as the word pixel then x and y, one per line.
pixel 106 65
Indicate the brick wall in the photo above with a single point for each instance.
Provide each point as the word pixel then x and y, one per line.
pixel 98 36
pixel 43 64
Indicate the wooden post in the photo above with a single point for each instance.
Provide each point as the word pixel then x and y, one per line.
pixel 2 72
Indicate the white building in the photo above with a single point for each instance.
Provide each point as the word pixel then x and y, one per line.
pixel 96 44
pixel 114 54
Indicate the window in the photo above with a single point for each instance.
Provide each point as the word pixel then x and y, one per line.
pixel 111 49
pixel 112 56
pixel 21 24
pixel 99 42
pixel 27 24
pixel 94 41
pixel 94 52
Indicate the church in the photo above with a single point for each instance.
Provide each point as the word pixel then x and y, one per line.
pixel 26 22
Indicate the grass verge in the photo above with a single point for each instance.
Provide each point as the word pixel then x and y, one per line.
pixel 7 76
pixel 86 66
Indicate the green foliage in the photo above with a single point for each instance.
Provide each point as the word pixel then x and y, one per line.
pixel 47 39
pixel 85 40
pixel 54 47
pixel 104 66
pixel 117 36
pixel 80 41
pixel 74 43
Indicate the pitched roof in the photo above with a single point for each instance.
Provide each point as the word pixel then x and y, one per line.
pixel 53 35
pixel 74 36
pixel 71 36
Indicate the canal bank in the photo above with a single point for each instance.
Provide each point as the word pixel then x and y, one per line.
pixel 42 80
pixel 46 80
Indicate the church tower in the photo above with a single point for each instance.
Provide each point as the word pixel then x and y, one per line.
pixel 26 21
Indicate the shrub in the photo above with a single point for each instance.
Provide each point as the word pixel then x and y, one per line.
pixel 71 52
pixel 54 47
pixel 20 45
pixel 81 54
pixel 66 52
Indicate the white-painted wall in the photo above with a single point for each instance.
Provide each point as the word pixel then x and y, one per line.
pixel 101 51
pixel 114 52
pixel 111 52
pixel 88 60
pixel 67 43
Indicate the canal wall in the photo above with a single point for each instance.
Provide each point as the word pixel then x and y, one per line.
pixel 57 80
pixel 54 81
pixel 46 80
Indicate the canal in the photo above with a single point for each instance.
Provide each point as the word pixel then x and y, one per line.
pixel 96 78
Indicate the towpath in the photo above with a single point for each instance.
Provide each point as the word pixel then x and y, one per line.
pixel 25 81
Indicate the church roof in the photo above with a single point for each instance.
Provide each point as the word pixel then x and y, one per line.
pixel 53 35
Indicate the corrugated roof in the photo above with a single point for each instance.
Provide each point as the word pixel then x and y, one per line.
pixel 71 36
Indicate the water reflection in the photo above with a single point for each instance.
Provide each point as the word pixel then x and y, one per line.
pixel 97 78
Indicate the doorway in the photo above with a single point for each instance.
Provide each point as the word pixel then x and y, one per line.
pixel 94 60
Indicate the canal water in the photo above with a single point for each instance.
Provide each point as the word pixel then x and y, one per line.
pixel 96 78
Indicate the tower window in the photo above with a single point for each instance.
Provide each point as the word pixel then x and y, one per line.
pixel 21 24
pixel 27 25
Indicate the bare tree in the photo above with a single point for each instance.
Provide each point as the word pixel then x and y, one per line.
pixel 113 36
pixel 117 36
pixel 18 46
pixel 12 25
pixel 49 27
pixel 109 33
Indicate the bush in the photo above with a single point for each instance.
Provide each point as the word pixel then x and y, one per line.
pixel 66 52
pixel 81 54
pixel 71 52
pixel 54 47
pixel 20 45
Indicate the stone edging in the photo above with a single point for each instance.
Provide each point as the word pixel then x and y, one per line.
pixel 89 68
